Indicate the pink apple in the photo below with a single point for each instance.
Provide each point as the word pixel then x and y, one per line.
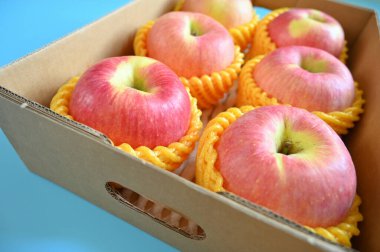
pixel 306 77
pixel 230 13
pixel 290 161
pixel 307 27
pixel 192 44
pixel 134 100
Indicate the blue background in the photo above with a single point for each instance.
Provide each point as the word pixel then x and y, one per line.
pixel 35 214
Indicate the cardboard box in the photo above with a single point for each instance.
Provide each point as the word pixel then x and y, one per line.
pixel 63 151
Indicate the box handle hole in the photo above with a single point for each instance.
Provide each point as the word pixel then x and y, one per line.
pixel 158 212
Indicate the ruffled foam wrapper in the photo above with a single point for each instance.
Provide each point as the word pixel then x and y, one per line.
pixel 207 89
pixel 210 178
pixel 167 157
pixel 243 34
pixel 262 43
pixel 249 93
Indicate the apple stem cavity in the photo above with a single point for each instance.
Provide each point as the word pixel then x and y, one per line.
pixel 127 75
pixel 313 65
pixel 286 147
pixel 195 30
pixel 139 85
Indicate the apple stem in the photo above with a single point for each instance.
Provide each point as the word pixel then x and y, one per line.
pixel 195 30
pixel 286 147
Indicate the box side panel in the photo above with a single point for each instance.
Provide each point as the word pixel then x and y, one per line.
pixel 364 139
pixel 66 157
pixel 38 76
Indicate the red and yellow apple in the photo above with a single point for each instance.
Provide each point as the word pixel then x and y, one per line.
pixel 230 13
pixel 191 44
pixel 134 100
pixel 288 160
pixel 307 27
pixel 306 77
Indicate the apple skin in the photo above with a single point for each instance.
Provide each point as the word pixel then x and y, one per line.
pixel 307 27
pixel 306 77
pixel 170 41
pixel 230 13
pixel 313 185
pixel 134 100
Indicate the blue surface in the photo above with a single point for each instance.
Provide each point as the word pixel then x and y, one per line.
pixel 35 214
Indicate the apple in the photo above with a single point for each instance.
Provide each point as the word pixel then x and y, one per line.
pixel 306 77
pixel 290 161
pixel 134 100
pixel 307 27
pixel 230 13
pixel 191 44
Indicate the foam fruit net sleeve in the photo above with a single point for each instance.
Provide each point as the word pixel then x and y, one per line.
pixel 167 157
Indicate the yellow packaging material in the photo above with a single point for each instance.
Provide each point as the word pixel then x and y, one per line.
pixel 167 157
pixel 243 34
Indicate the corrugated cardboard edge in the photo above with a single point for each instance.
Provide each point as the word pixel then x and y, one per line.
pixel 38 108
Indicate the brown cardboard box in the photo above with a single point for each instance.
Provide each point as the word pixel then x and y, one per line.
pixel 63 151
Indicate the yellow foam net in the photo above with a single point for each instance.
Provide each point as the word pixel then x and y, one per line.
pixel 249 93
pixel 207 89
pixel 209 177
pixel 263 44
pixel 167 157
pixel 243 34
